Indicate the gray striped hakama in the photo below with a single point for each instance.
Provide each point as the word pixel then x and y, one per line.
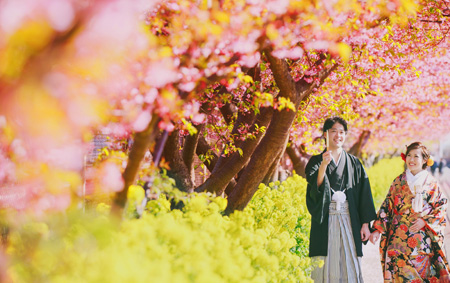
pixel 342 265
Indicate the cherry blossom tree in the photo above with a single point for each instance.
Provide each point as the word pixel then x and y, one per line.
pixel 233 82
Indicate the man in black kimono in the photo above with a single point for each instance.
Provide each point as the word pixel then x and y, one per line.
pixel 340 202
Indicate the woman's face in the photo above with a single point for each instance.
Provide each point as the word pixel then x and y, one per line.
pixel 415 161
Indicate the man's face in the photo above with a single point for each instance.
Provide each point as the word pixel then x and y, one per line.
pixel 336 135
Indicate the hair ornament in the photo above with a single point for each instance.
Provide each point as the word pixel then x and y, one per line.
pixel 403 156
pixel 430 162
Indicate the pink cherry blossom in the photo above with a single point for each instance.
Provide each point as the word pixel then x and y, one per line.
pixel 110 178
pixel 142 121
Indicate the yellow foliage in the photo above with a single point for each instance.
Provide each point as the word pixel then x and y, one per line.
pixel 285 103
pixel 345 51
pixel 43 115
pixel 271 32
pixel 221 17
pixel 267 242
pixel 135 193
pixel 103 209
pixel 21 45
pixel 409 6
pixel 165 51
pixel 381 176
pixel 94 68
pixel 7 133
pixel 59 181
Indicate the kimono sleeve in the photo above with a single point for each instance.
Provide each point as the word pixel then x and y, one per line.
pixel 435 211
pixel 318 198
pixel 384 215
pixel 434 216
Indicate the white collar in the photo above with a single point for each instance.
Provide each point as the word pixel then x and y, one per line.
pixel 418 179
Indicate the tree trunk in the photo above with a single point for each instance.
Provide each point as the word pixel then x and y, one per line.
pixel 230 187
pixel 218 181
pixel 142 142
pixel 227 112
pixel 262 159
pixel 299 159
pixel 277 133
pixel 178 169
pixel 202 149
pixel 357 147
pixel 189 149
pixel 243 118
pixel 272 174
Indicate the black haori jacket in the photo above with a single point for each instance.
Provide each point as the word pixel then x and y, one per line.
pixel 348 176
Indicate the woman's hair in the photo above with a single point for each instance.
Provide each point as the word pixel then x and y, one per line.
pixel 333 120
pixel 424 150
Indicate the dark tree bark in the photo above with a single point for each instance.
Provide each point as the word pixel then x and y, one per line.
pixel 243 118
pixel 272 174
pixel 230 187
pixel 203 149
pixel 142 142
pixel 263 158
pixel 189 149
pixel 182 162
pixel 277 132
pixel 299 159
pixel 357 147
pixel 178 169
pixel 218 181
pixel 272 170
pixel 227 112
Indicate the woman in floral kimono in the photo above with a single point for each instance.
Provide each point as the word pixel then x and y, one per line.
pixel 411 222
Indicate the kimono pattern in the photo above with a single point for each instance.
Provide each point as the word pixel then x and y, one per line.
pixel 406 256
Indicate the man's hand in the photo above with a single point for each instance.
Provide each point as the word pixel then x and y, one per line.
pixel 365 232
pixel 374 237
pixel 417 225
pixel 326 158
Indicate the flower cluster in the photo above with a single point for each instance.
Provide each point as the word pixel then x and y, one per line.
pixel 266 242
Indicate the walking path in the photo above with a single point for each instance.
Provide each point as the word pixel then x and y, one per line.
pixel 370 263
pixel 371 267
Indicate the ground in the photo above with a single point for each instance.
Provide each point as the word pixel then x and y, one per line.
pixel 371 267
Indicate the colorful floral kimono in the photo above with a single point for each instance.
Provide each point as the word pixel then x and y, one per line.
pixel 406 256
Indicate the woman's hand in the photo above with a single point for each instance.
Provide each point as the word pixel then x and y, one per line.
pixel 374 237
pixel 417 225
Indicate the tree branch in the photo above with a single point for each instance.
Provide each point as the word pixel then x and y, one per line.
pixel 357 147
pixel 142 141
pixel 299 159
pixel 243 118
pixel 219 179
pixel 203 148
pixel 276 134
